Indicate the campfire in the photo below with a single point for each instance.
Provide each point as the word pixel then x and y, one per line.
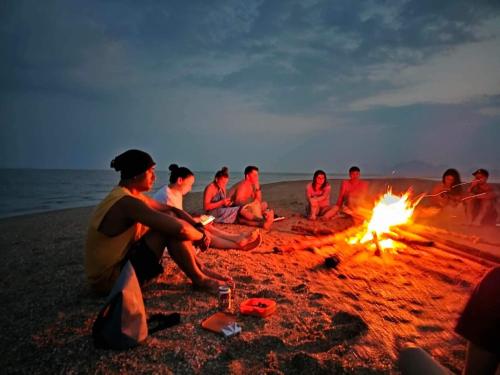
pixel 389 212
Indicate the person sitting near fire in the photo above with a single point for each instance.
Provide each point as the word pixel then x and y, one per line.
pixel 215 199
pixel 247 195
pixel 318 197
pixel 480 203
pixel 129 226
pixel 449 191
pixel 181 182
pixel 352 195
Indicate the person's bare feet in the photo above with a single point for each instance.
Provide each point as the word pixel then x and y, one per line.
pixel 268 220
pixel 249 238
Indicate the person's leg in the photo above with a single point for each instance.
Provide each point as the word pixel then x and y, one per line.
pixel 314 210
pixel 485 206
pixel 234 237
pixel 268 219
pixel 416 361
pixel 329 212
pixel 183 254
pixel 470 210
pixel 251 223
pixel 479 361
pixel 223 243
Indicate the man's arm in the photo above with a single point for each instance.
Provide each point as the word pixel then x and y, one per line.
pixel 258 193
pixel 139 211
pixel 342 194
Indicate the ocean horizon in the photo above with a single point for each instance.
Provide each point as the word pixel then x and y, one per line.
pixel 27 191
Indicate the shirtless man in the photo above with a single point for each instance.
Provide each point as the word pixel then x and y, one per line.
pixel 480 204
pixel 352 194
pixel 248 195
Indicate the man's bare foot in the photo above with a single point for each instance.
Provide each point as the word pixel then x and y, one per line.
pixel 268 220
pixel 249 238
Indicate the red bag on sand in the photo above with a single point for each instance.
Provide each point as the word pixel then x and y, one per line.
pixel 261 307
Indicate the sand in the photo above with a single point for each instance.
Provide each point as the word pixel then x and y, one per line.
pixel 352 319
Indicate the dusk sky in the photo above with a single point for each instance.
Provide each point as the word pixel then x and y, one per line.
pixel 285 85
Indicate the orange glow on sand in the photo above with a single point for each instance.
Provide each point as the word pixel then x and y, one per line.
pixel 390 211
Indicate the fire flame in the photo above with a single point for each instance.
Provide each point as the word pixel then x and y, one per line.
pixel 390 210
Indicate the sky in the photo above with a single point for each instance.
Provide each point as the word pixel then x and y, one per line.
pixel 289 86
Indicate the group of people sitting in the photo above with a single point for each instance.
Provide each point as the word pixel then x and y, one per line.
pixel 476 198
pixel 129 225
pixel 351 200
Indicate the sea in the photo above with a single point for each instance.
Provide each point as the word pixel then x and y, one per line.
pixel 27 191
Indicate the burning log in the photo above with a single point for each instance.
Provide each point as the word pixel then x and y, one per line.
pixel 312 231
pixel 378 252
pixel 308 243
pixel 450 246
pixel 408 241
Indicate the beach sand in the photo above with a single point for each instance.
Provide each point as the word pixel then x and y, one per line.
pixel 352 319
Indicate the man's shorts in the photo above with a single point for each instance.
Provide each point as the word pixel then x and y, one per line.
pixel 146 263
pixel 253 208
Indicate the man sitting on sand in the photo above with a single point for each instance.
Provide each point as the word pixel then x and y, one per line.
pixel 248 195
pixel 352 194
pixel 129 226
pixel 480 204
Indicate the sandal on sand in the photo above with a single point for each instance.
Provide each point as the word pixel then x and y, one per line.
pixel 252 245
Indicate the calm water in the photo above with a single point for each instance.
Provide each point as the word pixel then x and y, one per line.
pixel 24 191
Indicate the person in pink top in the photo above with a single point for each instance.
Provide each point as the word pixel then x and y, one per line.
pixel 318 197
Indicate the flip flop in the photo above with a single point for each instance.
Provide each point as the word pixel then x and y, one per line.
pixel 254 244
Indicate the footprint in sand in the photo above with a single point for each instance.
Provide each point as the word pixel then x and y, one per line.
pixel 246 279
pixel 347 325
pixel 395 319
pixel 300 288
pixel 351 295
pixel 304 363
pixel 271 294
pixel 316 296
pixel 429 328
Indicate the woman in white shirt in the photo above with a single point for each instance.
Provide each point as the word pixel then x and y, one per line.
pixel 181 182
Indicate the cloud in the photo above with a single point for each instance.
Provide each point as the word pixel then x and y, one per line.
pixel 276 81
pixel 458 76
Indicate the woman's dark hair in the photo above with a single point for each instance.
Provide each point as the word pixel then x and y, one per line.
pixel 318 173
pixel 224 172
pixel 456 180
pixel 178 172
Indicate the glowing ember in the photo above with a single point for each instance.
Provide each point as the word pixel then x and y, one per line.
pixel 391 210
